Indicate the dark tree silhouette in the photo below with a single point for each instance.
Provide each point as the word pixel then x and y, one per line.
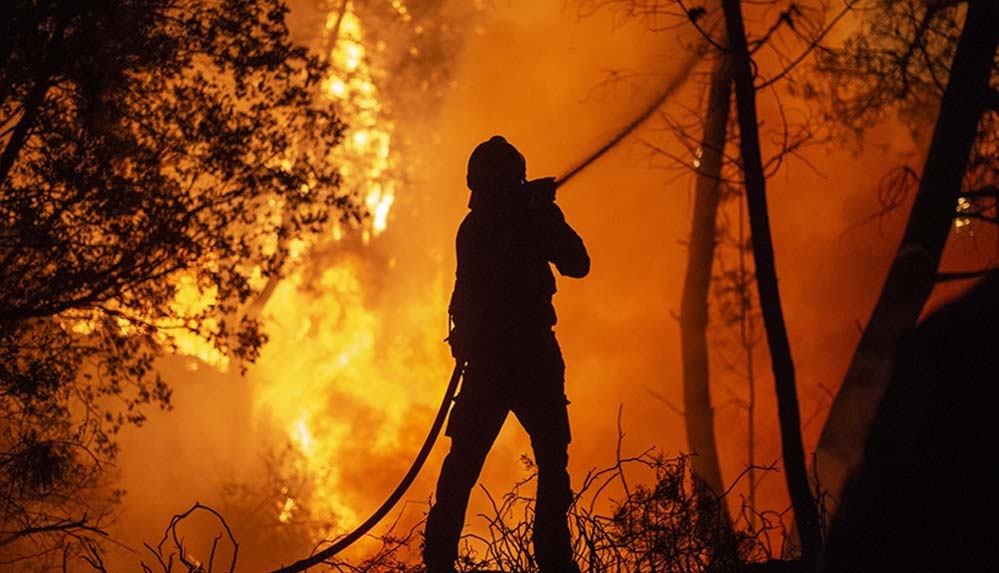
pixel 796 28
pixel 145 146
pixel 928 472
pixel 805 512
pixel 698 411
pixel 913 56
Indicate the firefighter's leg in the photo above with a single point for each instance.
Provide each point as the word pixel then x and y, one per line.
pixel 547 423
pixel 474 423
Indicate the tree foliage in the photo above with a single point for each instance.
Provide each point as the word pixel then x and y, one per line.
pixel 912 56
pixel 898 62
pixel 155 156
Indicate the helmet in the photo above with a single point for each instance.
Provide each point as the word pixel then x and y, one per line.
pixel 495 164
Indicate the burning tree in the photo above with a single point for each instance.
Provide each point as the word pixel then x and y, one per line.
pixel 155 155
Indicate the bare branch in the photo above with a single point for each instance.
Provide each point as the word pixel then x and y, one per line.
pixel 675 409
pixel 786 18
pixel 964 275
pixel 847 7
pixel 65 526
pixel 989 192
pixel 704 33
pixel 170 533
pixel 976 216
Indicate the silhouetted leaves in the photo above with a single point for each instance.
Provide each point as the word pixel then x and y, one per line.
pixel 898 60
pixel 155 155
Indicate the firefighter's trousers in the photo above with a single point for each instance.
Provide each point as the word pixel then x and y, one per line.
pixel 531 385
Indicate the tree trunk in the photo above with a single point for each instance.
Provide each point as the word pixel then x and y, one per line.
pixel 805 513
pixel 912 273
pixel 699 416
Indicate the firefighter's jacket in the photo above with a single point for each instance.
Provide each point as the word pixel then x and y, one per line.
pixel 504 282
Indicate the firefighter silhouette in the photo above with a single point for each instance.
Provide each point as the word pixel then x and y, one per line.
pixel 503 316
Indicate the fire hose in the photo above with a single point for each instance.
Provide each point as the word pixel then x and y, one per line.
pixel 459 367
pixel 389 503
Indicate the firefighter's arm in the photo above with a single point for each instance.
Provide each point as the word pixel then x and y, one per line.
pixel 562 244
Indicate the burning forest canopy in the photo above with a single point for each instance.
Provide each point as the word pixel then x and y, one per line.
pixel 229 246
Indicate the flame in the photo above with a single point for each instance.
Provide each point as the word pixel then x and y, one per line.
pixel 366 152
pixel 287 510
pixel 323 378
pixel 962 224
pixel 366 165
pixel 379 203
pixel 329 380
pixel 190 299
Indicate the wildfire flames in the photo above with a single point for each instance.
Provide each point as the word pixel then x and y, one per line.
pixel 327 380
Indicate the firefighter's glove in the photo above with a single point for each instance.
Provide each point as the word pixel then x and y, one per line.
pixel 542 191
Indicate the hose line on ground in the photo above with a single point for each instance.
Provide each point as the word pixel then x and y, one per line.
pixel 407 480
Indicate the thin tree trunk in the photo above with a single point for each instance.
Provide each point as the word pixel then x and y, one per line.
pixel 805 513
pixel 747 337
pixel 699 416
pixel 912 273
